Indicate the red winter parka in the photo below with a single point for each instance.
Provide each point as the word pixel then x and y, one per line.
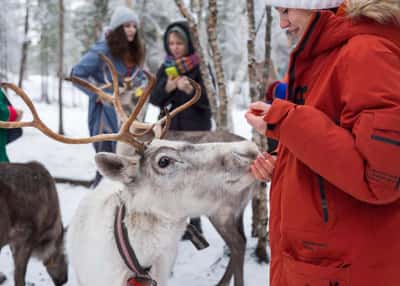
pixel 335 194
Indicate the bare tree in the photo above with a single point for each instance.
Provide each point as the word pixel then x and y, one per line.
pixel 25 44
pixel 61 67
pixel 44 43
pixel 217 59
pixel 260 210
pixel 262 142
pixel 4 44
pixel 101 10
pixel 203 63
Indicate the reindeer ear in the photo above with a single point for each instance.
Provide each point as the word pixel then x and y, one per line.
pixel 119 168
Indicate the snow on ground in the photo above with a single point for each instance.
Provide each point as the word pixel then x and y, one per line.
pixel 195 268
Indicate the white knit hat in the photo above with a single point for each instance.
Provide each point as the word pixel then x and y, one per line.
pixel 121 16
pixel 305 4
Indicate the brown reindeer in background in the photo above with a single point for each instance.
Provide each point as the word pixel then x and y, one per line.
pixel 30 220
pixel 228 218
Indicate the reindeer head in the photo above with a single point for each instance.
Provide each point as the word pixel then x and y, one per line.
pixel 180 178
pixel 129 92
pixel 56 265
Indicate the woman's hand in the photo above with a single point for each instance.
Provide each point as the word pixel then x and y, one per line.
pixel 263 166
pixel 255 116
pixel 185 85
pixel 171 85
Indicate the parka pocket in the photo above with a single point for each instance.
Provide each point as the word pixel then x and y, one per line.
pixel 378 140
pixel 299 273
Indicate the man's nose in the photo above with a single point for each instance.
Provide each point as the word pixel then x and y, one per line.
pixel 284 23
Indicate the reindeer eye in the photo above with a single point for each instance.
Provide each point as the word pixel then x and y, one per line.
pixel 164 162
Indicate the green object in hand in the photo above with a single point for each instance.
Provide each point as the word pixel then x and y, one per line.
pixel 172 72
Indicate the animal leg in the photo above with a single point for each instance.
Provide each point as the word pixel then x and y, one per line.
pixel 4 226
pixel 21 249
pixel 232 233
pixel 2 278
pixel 240 250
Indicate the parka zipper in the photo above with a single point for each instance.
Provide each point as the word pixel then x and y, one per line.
pixel 324 202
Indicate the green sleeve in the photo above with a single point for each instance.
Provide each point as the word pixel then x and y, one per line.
pixel 4 113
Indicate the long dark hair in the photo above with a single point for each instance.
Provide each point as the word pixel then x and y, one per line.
pixel 120 46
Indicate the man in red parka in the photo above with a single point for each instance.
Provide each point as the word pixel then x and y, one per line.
pixel 335 194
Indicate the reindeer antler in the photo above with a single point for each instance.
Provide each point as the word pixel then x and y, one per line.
pixel 124 135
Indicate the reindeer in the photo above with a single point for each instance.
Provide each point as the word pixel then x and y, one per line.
pixel 231 229
pixel 30 220
pixel 158 185
pixel 128 93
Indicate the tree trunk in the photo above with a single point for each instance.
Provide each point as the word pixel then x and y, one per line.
pixel 251 51
pixel 3 46
pixel 259 202
pixel 203 63
pixel 101 7
pixel 199 13
pixel 61 68
pixel 44 56
pixel 263 204
pixel 219 70
pixel 44 70
pixel 25 45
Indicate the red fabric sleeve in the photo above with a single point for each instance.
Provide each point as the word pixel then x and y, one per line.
pixel 270 94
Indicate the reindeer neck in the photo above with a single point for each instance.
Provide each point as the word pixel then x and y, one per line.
pixel 150 233
pixel 138 206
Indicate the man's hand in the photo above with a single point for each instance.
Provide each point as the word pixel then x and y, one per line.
pixel 255 116
pixel 263 166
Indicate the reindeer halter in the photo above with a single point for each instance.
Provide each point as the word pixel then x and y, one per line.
pixel 141 275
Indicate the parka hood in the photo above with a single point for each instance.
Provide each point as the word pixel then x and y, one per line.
pixel 185 27
pixel 381 11
pixel 328 31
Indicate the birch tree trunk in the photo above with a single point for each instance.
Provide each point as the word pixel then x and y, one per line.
pixel 219 70
pixel 25 45
pixel 61 67
pixel 101 8
pixel 259 202
pixel 4 45
pixel 262 141
pixel 203 63
pixel 44 54
pixel 199 12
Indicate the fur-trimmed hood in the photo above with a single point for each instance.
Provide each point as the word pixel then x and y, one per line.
pixel 382 11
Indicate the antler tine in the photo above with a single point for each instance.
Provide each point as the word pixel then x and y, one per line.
pixel 115 84
pixel 142 100
pixel 157 127
pixel 166 127
pixel 187 104
pixel 37 123
pixel 28 102
pixel 90 87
